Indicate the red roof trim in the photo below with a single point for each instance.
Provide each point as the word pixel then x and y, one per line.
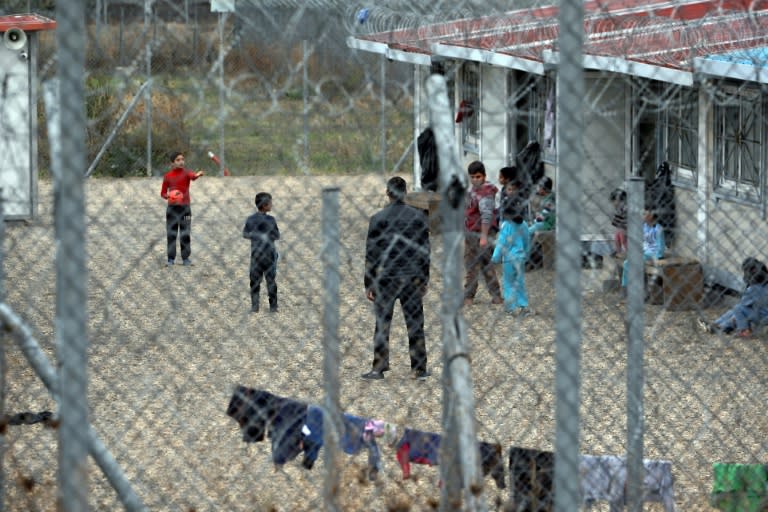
pixel 26 22
pixel 661 33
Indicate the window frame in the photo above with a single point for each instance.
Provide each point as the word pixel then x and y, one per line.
pixel 730 182
pixel 679 123
pixel 540 93
pixel 470 93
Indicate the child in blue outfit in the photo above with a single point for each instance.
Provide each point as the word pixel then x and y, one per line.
pixel 261 229
pixel 752 309
pixel 653 242
pixel 512 248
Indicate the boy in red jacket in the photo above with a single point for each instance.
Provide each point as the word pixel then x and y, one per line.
pixel 479 218
pixel 178 214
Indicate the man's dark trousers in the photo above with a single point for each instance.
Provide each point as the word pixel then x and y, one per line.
pixel 409 292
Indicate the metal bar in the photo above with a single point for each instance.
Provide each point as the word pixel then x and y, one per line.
pixel 331 352
pixel 305 96
pixel 3 366
pixel 16 328
pixel 459 460
pixel 222 96
pixel 408 150
pixel 116 128
pixel 383 98
pixel 70 325
pixel 568 309
pixel 635 321
pixel 148 98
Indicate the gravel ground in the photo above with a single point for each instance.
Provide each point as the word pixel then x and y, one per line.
pixel 167 346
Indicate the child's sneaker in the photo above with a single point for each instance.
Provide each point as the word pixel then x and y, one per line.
pixel 704 326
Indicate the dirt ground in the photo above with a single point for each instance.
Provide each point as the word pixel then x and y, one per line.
pixel 167 346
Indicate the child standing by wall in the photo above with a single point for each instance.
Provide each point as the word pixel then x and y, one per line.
pixel 261 229
pixel 619 221
pixel 512 248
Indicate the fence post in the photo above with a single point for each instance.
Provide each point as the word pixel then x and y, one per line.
pixel 459 464
pixel 383 97
pixel 635 349
pixel 568 311
pixel 305 96
pixel 148 98
pixel 222 95
pixel 39 362
pixel 3 367
pixel 71 326
pixel 331 353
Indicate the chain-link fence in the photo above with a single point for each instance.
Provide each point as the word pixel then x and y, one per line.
pixel 631 370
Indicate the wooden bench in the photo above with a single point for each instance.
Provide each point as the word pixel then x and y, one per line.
pixel 429 202
pixel 546 241
pixel 675 282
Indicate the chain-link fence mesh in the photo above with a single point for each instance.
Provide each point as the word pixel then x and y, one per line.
pixel 620 353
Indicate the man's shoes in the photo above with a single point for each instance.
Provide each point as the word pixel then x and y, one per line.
pixel 497 300
pixel 187 262
pixel 373 375
pixel 421 374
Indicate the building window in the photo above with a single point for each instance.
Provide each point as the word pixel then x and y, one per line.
pixel 532 108
pixel 679 123
pixel 738 160
pixel 468 112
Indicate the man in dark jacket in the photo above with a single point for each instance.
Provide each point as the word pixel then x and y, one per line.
pixel 397 268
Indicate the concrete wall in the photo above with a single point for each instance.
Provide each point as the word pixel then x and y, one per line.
pixel 604 136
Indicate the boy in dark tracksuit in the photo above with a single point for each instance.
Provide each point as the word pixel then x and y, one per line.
pixel 261 229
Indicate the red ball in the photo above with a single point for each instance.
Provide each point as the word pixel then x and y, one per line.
pixel 175 197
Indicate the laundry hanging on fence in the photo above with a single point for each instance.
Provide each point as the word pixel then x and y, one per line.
pixel 357 434
pixel 531 476
pixel 739 487
pixel 604 478
pixel 423 448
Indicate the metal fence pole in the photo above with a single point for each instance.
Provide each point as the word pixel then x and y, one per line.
pixel 148 57
pixel 459 460
pixel 383 85
pixel 305 96
pixel 39 362
pixel 568 310
pixel 71 326
pixel 3 366
pixel 222 95
pixel 331 352
pixel 635 321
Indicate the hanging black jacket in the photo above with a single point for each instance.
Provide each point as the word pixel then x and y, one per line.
pixel 427 148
